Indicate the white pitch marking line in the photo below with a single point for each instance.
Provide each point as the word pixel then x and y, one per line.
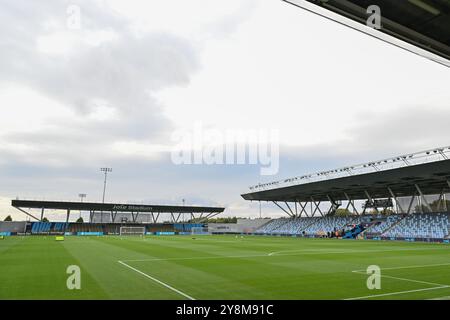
pixel 410 267
pixel 280 253
pixel 276 253
pixel 157 281
pixel 397 293
pixel 441 298
pixel 410 280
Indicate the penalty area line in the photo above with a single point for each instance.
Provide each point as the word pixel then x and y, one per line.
pixel 157 281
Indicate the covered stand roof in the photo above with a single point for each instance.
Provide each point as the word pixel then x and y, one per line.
pixel 108 207
pixel 431 177
pixel 424 24
pixel 427 171
pixel 113 208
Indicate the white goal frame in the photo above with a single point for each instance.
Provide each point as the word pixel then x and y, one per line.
pixel 132 231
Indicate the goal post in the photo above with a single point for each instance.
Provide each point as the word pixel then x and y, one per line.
pixel 132 231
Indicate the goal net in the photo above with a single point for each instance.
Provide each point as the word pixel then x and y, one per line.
pixel 132 231
pixel 199 230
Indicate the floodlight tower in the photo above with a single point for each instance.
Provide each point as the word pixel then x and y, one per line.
pixel 82 196
pixel 184 213
pixel 260 214
pixel 105 171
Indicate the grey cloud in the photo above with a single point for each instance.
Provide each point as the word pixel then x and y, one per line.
pixel 123 74
pixel 405 130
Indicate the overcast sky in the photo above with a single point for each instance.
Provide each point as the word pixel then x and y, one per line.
pixel 114 90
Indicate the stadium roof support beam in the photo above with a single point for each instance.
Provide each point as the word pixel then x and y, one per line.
pixel 334 205
pixel 397 203
pixel 370 199
pixel 155 220
pixel 423 198
pixel 411 203
pixel 208 216
pixel 440 202
pixel 303 207
pixel 282 208
pixel 351 202
pixel 27 213
pixel 445 203
pixel 67 215
pixel 317 207
pixel 42 214
pixel 290 210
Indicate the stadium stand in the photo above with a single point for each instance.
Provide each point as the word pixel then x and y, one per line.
pixel 273 226
pixel 186 227
pixel 309 226
pixel 425 225
pixel 287 226
pixel 48 227
pixel 12 227
pixel 383 226
pixel 330 224
pixel 295 226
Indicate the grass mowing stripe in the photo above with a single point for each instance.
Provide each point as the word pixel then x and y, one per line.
pixel 157 281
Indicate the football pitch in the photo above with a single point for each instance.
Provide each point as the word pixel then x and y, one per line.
pixel 220 267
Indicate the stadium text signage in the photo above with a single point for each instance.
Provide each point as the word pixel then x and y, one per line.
pixel 122 207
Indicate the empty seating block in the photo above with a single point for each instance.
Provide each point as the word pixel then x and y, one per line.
pixel 385 225
pixel 427 225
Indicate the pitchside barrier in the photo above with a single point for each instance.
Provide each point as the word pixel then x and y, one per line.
pixel 89 233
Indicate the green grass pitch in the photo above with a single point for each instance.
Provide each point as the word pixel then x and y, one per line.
pixel 221 267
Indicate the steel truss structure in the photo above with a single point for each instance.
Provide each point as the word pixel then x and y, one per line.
pixel 201 214
pixel 375 188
